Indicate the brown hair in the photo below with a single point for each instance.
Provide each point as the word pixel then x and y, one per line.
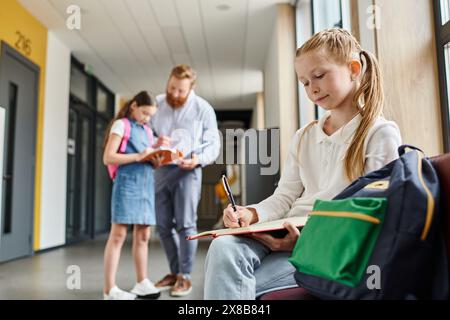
pixel 183 71
pixel 143 98
pixel 342 46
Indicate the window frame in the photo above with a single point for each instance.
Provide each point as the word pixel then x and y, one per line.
pixel 109 113
pixel 442 39
pixel 75 64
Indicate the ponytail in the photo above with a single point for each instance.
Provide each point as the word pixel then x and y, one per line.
pixel 369 99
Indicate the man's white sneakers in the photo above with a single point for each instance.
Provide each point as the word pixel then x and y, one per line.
pixel 118 294
pixel 146 290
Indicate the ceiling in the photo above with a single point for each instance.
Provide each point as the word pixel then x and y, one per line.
pixel 132 45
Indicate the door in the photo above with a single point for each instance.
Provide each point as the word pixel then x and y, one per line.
pixel 252 172
pixel 103 183
pixel 79 173
pixel 18 94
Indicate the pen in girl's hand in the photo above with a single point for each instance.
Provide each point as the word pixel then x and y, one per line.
pixel 230 196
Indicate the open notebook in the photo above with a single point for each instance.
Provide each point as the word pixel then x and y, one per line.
pixel 166 154
pixel 170 155
pixel 274 227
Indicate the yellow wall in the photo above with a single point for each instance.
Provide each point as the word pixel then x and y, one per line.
pixel 14 18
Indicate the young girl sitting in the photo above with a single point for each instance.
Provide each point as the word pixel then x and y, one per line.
pixel 133 196
pixel 350 140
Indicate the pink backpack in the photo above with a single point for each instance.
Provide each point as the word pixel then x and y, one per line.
pixel 112 168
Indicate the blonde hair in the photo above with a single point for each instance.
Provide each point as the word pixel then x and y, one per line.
pixel 342 47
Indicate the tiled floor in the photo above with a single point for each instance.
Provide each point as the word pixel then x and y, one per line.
pixel 44 276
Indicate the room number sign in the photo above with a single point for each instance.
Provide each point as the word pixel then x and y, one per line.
pixel 23 43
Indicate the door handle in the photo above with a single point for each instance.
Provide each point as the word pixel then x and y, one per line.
pixel 7 177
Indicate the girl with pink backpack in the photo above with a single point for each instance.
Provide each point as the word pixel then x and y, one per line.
pixel 127 142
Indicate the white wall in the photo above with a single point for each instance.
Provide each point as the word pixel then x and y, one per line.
pixel 54 165
pixel 257 121
pixel 271 93
pixel 304 31
pixel 118 102
pixel 280 81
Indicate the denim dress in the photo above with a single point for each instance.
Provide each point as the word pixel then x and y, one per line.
pixel 133 194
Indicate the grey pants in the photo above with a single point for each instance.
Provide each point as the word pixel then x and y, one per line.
pixel 177 196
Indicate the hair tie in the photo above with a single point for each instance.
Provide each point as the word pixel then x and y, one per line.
pixel 361 54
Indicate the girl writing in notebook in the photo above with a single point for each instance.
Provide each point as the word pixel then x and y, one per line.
pixel 133 196
pixel 350 140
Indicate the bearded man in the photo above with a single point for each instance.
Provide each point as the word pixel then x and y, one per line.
pixel 189 123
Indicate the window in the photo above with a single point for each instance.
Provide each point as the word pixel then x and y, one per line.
pixel 326 14
pixel 447 71
pixel 445 11
pixel 442 18
pixel 104 101
pixel 313 16
pixel 79 84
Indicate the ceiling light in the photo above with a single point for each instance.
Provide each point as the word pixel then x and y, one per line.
pixel 223 7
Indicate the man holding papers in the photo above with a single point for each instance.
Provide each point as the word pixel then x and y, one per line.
pixel 189 122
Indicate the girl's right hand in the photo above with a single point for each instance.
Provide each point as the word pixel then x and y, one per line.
pixel 141 156
pixel 164 141
pixel 243 215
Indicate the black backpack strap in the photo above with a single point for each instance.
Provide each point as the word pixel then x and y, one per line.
pixel 402 149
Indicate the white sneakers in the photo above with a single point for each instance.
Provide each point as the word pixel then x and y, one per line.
pixel 146 290
pixel 118 294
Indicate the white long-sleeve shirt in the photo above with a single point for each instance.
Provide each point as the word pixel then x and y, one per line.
pixel 189 127
pixel 319 171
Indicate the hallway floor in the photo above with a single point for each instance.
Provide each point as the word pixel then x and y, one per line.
pixel 44 275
